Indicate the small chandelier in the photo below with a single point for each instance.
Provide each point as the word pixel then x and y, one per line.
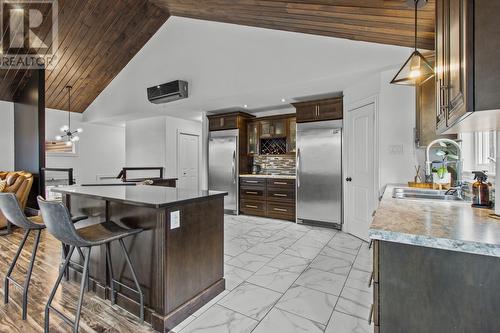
pixel 416 70
pixel 69 135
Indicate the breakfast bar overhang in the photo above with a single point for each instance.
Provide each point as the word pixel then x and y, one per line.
pixel 179 257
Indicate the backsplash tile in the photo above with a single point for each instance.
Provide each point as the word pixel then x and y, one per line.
pixel 283 164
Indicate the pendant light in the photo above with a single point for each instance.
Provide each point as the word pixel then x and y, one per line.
pixel 69 135
pixel 416 70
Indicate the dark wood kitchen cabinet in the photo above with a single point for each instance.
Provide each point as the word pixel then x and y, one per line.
pixel 273 128
pixel 420 289
pixel 425 125
pixel 467 66
pixel 282 126
pixel 325 109
pixel 253 138
pixel 268 197
pixel 228 121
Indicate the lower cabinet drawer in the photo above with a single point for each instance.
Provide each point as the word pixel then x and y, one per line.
pixel 281 211
pixel 253 207
pixel 281 195
pixel 252 194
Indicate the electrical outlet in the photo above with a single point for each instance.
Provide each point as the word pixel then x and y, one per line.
pixel 175 220
pixel 396 149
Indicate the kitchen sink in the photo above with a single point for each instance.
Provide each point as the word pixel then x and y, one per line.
pixel 410 193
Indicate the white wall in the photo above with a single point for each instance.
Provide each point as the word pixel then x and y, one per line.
pixel 396 123
pixel 396 129
pixel 6 136
pixel 100 151
pixel 153 142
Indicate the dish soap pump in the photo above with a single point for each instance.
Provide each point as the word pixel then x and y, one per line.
pixel 480 190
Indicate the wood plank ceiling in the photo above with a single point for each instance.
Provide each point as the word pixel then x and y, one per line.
pixel 379 21
pixel 98 38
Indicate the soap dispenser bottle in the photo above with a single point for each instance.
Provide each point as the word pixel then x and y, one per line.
pixel 480 190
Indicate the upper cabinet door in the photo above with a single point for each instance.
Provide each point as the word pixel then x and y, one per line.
pixel 456 67
pixel 325 109
pixel 441 64
pixel 253 138
pixel 279 128
pixel 330 110
pixel 306 112
pixel 292 135
pixel 453 61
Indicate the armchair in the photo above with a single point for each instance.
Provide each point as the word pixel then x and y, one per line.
pixel 19 183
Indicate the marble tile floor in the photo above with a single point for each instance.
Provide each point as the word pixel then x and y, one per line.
pixel 284 278
pixel 280 278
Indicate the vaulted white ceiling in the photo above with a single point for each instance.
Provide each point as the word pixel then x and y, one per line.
pixel 228 66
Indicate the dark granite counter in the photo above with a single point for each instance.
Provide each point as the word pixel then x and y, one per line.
pixel 139 195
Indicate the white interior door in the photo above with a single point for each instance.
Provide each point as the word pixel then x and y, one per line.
pixel 188 157
pixel 360 175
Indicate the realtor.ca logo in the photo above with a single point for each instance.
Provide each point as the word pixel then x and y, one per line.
pixel 28 34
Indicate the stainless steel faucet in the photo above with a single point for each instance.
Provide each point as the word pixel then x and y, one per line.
pixel 428 162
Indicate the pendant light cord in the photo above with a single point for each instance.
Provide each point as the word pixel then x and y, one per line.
pixel 69 108
pixel 416 26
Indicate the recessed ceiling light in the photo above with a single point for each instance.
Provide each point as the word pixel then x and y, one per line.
pixel 245 106
pixel 283 100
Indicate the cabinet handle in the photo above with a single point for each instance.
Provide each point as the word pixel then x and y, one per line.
pixel 251 206
pixel 370 317
pixel 280 210
pixel 371 279
pixel 251 181
pixel 221 122
pixel 280 183
pixel 280 195
pixel 251 192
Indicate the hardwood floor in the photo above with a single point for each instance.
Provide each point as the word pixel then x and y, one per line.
pixel 97 315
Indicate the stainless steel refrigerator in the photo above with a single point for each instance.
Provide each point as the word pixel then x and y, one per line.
pixel 319 173
pixel 223 166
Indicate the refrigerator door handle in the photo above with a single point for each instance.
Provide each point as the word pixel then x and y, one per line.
pixel 233 170
pixel 298 167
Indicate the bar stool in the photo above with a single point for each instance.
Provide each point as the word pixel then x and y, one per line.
pixel 58 222
pixel 12 211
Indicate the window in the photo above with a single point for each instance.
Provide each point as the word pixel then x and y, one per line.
pixel 479 149
pixel 60 148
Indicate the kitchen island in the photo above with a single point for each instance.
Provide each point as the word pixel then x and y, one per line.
pixel 178 257
pixel 436 266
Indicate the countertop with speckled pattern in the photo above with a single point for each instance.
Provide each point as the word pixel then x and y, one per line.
pixel 454 226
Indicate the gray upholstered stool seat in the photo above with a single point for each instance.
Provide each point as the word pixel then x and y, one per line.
pixel 105 232
pixel 58 222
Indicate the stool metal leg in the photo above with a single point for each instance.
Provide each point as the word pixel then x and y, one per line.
pixel 112 276
pixel 85 277
pixel 12 265
pixel 88 271
pixel 28 274
pixel 54 290
pixel 65 250
pixel 137 285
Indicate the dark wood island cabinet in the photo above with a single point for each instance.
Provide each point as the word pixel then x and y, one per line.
pixel 179 257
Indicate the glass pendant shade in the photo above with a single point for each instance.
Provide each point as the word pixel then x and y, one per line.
pixel 415 71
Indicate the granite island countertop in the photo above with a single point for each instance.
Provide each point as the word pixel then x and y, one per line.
pixel 447 225
pixel 268 176
pixel 140 195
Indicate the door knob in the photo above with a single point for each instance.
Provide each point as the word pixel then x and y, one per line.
pixel 348 179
